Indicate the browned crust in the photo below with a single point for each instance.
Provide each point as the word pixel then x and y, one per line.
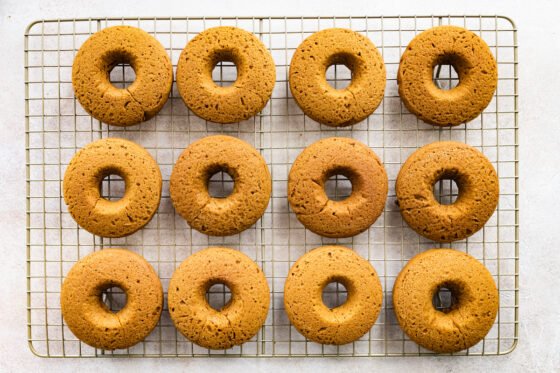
pixel 467 322
pixel 312 168
pixel 475 66
pixel 140 101
pixel 320 101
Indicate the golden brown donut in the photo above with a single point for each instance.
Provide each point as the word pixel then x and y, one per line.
pixel 82 182
pixel 470 57
pixel 89 318
pixel 304 288
pixel 335 156
pixel 220 216
pixel 316 97
pixel 478 191
pixel 136 103
pixel 240 319
pixel 248 95
pixel 467 321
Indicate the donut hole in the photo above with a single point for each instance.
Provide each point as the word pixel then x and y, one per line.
pixel 220 184
pixel 340 70
pixel 334 294
pixel 218 296
pixel 224 68
pixel 339 76
pixel 446 191
pixel 113 187
pixel 113 298
pixel 338 187
pixel 446 298
pixel 122 75
pixel 224 73
pixel 120 71
pixel 444 73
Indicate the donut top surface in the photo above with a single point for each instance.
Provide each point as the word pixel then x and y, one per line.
pixel 238 320
pixel 104 50
pixel 303 293
pixel 333 156
pixel 220 216
pixel 90 319
pixel 316 97
pixel 256 74
pixel 476 180
pixel 471 58
pixel 465 322
pixel 83 177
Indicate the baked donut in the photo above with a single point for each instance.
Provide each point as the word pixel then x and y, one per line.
pixel 337 156
pixel 90 319
pixel 248 95
pixel 476 180
pixel 136 103
pixel 82 183
pixel 303 295
pixel 470 57
pixel 247 202
pixel 459 326
pixel 240 319
pixel 316 97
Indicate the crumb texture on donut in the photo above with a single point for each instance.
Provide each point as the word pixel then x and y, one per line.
pixel 475 177
pixel 328 157
pixel 240 319
pixel 318 99
pixel 303 295
pixel 83 177
pixel 220 216
pixel 471 58
pixel 248 95
pixel 90 320
pixel 136 103
pixel 462 326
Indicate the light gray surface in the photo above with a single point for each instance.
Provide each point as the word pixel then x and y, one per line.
pixel 539 53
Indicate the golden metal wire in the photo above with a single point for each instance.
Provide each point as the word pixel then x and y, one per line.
pixel 57 126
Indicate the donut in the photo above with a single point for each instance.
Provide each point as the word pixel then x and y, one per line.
pixel 188 185
pixel 248 95
pixel 459 326
pixel 303 295
pixel 240 319
pixel 136 103
pixel 337 156
pixel 476 180
pixel 316 97
pixel 472 60
pixel 82 183
pixel 90 319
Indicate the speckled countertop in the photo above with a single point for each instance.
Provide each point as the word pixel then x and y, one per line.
pixel 539 137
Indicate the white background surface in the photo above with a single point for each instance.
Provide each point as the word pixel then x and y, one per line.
pixel 539 56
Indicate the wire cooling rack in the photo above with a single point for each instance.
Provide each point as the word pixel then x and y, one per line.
pixel 57 126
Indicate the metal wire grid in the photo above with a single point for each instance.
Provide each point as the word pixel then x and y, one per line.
pixel 57 126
